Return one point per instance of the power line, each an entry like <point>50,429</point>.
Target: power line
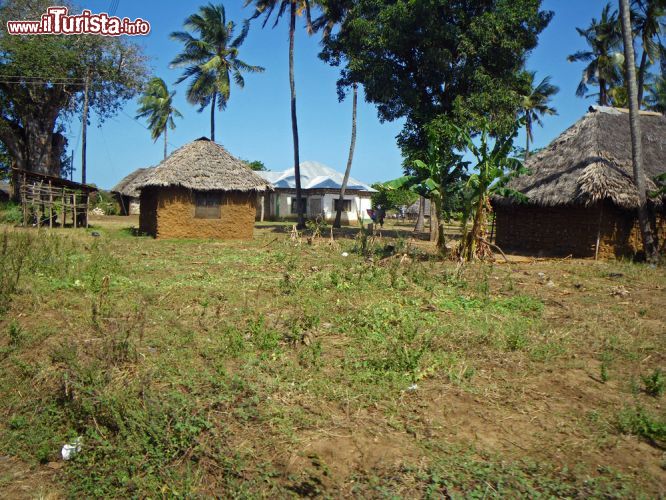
<point>22,80</point>
<point>36,83</point>
<point>113,7</point>
<point>41,78</point>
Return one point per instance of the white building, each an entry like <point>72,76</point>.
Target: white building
<point>320,191</point>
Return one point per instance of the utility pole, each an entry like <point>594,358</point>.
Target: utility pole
<point>84,126</point>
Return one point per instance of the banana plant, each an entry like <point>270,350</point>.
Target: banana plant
<point>436,179</point>
<point>494,168</point>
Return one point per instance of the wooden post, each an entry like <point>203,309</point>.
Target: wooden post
<point>84,128</point>
<point>50,205</point>
<point>64,208</point>
<point>601,213</point>
<point>74,208</point>
<point>263,198</point>
<point>87,208</point>
<point>24,202</point>
<point>40,211</point>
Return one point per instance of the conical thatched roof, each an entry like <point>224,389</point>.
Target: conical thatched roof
<point>131,185</point>
<point>591,161</point>
<point>203,165</point>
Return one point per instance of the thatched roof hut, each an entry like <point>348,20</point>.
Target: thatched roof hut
<point>581,198</point>
<point>203,165</point>
<point>128,190</point>
<point>591,161</point>
<point>131,184</point>
<point>200,191</point>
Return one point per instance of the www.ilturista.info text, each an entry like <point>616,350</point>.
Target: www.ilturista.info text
<point>57,21</point>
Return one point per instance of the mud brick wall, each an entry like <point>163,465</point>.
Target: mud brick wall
<point>562,231</point>
<point>175,216</point>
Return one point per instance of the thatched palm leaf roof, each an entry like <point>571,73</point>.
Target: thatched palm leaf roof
<point>591,161</point>
<point>131,185</point>
<point>203,165</point>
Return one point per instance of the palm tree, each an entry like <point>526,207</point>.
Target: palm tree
<point>334,12</point>
<point>536,104</point>
<point>656,99</point>
<point>648,19</point>
<point>604,57</point>
<point>156,104</point>
<point>211,59</point>
<point>296,7</point>
<point>649,243</point>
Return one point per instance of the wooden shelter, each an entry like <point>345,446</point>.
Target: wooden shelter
<point>581,198</point>
<point>128,191</point>
<point>52,201</point>
<point>200,191</point>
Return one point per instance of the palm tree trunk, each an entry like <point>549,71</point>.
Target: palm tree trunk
<point>420,221</point>
<point>641,78</point>
<point>338,214</point>
<point>165,142</point>
<point>212,117</point>
<point>603,100</point>
<point>294,121</point>
<point>649,243</point>
<point>527,140</point>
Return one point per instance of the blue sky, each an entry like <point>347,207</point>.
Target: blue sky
<point>256,124</point>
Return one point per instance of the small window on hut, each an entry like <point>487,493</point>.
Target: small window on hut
<point>207,205</point>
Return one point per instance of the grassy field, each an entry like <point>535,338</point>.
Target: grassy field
<point>277,368</point>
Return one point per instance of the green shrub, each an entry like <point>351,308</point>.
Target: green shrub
<point>10,213</point>
<point>641,423</point>
<point>655,383</point>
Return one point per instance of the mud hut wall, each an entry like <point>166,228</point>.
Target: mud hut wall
<point>621,233</point>
<point>175,215</point>
<point>548,231</point>
<point>562,231</point>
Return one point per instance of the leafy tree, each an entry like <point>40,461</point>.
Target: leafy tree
<point>604,55</point>
<point>392,199</point>
<point>42,79</point>
<point>211,59</point>
<point>649,242</point>
<point>266,8</point>
<point>536,104</point>
<point>493,168</point>
<point>454,61</point>
<point>156,105</point>
<point>419,59</point>
<point>257,166</point>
